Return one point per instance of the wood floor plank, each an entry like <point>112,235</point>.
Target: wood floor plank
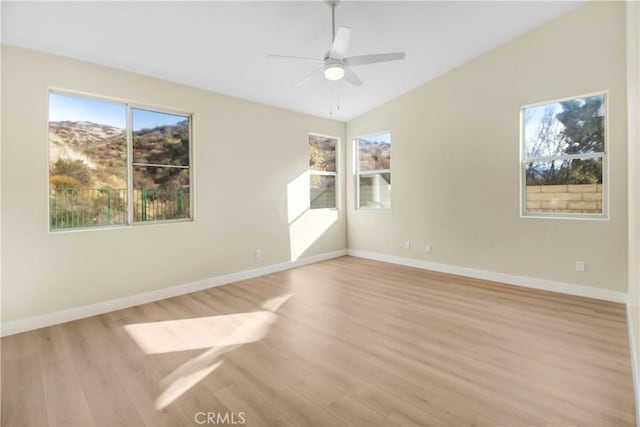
<point>355,413</point>
<point>23,401</point>
<point>345,342</point>
<point>255,406</point>
<point>249,366</point>
<point>68,408</point>
<point>142,380</point>
<point>108,400</point>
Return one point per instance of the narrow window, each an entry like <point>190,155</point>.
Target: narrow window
<point>92,181</point>
<point>322,171</point>
<point>373,171</point>
<point>161,175</point>
<point>564,158</point>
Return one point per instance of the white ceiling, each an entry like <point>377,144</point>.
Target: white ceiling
<point>223,46</point>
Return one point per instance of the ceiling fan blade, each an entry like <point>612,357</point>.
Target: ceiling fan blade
<point>352,77</point>
<point>298,58</point>
<point>340,43</point>
<point>373,59</point>
<point>308,77</point>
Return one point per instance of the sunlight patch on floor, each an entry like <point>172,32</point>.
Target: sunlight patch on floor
<point>175,389</point>
<point>219,334</point>
<point>201,332</point>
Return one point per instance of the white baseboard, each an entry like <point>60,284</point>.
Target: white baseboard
<point>527,282</point>
<point>35,322</point>
<point>41,321</point>
<point>634,360</point>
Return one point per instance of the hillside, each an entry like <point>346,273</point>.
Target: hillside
<point>85,154</point>
<point>92,154</point>
<point>322,153</point>
<point>165,145</point>
<point>374,155</point>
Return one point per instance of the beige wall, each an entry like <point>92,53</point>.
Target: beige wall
<point>462,129</point>
<point>249,161</point>
<point>633,81</point>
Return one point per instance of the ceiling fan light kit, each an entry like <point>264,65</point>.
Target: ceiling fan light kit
<point>336,66</point>
<point>333,70</point>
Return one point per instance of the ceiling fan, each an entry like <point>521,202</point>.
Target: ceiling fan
<point>336,65</point>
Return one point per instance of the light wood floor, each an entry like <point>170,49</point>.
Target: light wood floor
<point>357,342</point>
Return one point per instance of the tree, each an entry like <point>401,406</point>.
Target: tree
<point>582,132</point>
<point>583,121</point>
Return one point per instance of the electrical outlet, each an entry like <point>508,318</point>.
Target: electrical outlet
<point>407,244</point>
<point>427,248</point>
<point>258,253</point>
<point>580,266</point>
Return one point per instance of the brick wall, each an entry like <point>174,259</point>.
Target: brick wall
<point>583,198</point>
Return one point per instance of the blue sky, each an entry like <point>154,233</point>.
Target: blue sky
<point>383,137</point>
<point>145,119</point>
<point>80,109</point>
<point>533,119</point>
<point>77,109</point>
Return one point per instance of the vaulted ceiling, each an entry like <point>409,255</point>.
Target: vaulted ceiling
<point>223,46</point>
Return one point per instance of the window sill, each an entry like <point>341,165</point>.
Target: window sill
<point>118,226</point>
<point>583,217</point>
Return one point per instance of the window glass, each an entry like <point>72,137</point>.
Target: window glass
<point>322,172</point>
<point>87,162</point>
<point>564,157</point>
<point>374,171</point>
<point>160,165</point>
<point>89,171</point>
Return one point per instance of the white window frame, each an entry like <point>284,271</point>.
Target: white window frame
<point>603,155</point>
<point>130,164</point>
<point>359,173</point>
<point>327,173</point>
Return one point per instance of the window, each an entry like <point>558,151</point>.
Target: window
<point>161,173</point>
<point>322,171</point>
<point>115,164</point>
<point>564,158</point>
<point>373,171</point>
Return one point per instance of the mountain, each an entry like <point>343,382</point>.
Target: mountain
<point>322,153</point>
<point>161,145</point>
<point>374,155</point>
<point>85,154</point>
<point>93,154</point>
<point>167,145</point>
